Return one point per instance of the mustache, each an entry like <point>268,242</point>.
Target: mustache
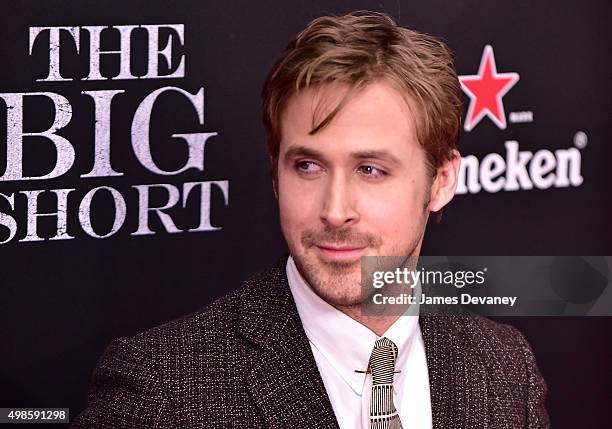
<point>339,237</point>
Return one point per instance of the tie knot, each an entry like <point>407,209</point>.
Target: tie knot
<point>382,361</point>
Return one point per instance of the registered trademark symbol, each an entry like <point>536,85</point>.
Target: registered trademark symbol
<point>521,117</point>
<point>580,139</point>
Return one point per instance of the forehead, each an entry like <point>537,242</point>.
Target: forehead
<point>376,117</point>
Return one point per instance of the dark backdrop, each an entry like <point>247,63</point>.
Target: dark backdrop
<point>62,301</point>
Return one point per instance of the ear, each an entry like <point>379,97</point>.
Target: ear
<point>445,183</point>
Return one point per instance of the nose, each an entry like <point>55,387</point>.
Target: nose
<point>339,204</point>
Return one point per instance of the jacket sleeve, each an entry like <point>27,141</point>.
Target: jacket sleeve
<point>537,416</point>
<point>126,391</point>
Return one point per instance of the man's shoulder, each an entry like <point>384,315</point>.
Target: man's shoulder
<point>482,330</point>
<point>479,335</point>
<point>212,328</point>
<point>478,352</point>
<point>217,319</point>
<point>487,367</point>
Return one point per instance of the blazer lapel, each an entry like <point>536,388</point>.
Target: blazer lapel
<point>457,378</point>
<point>284,383</point>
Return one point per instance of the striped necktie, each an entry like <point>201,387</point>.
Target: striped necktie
<point>383,414</point>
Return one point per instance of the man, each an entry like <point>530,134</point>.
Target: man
<point>362,118</point>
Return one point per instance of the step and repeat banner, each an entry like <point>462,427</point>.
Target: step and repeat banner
<point>135,184</point>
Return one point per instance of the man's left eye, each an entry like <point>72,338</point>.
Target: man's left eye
<point>371,171</point>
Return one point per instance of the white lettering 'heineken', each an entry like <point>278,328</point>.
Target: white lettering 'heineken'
<point>520,170</point>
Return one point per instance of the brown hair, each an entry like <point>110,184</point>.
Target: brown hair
<point>356,50</point>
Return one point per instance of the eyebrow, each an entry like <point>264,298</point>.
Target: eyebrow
<point>365,154</point>
<point>376,154</point>
<point>296,151</point>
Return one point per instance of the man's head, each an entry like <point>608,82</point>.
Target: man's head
<point>362,118</point>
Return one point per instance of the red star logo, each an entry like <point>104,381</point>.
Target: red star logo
<point>486,90</point>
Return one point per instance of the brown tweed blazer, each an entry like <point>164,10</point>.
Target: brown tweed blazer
<point>244,362</point>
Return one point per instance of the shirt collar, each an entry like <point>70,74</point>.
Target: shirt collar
<point>345,343</point>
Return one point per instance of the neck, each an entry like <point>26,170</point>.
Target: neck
<point>376,324</point>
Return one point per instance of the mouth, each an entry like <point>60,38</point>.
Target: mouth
<point>339,253</point>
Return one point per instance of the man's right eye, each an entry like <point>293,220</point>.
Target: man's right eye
<point>308,167</point>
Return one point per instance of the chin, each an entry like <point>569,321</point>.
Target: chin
<point>340,298</point>
<point>339,301</point>
<point>339,288</point>
<point>338,284</point>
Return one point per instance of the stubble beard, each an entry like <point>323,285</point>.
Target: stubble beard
<point>339,283</point>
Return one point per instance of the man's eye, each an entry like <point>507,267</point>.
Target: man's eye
<point>307,167</point>
<point>371,171</point>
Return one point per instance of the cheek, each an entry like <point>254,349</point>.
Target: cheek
<point>297,206</point>
<point>389,216</point>
<point>395,211</point>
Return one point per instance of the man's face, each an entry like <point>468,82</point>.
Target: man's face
<point>358,187</point>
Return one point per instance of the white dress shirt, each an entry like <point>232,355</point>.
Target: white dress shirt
<point>341,345</point>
